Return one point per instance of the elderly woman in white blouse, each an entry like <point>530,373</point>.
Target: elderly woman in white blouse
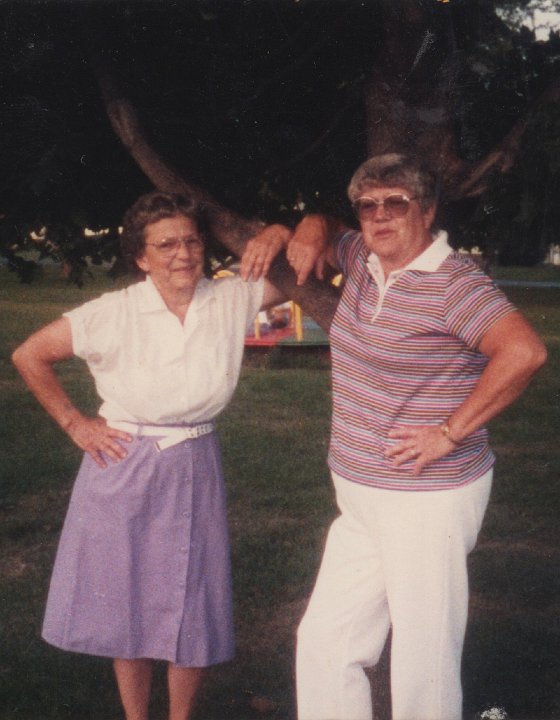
<point>142,571</point>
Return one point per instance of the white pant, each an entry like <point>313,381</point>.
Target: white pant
<point>392,559</point>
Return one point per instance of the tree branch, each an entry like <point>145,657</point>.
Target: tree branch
<point>317,299</point>
<point>471,180</point>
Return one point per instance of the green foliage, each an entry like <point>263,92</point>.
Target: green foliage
<point>518,217</point>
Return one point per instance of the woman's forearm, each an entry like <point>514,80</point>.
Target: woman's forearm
<point>515,354</point>
<point>34,360</point>
<point>44,384</point>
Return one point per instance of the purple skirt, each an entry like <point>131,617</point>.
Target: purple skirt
<point>143,564</point>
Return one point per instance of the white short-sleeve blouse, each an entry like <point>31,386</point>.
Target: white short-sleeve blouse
<point>150,368</point>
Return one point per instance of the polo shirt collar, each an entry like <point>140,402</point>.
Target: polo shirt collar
<point>151,300</point>
<point>428,261</point>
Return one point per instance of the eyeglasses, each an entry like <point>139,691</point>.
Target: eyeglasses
<point>394,206</point>
<point>170,246</point>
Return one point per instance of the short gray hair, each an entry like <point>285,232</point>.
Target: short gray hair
<point>394,169</point>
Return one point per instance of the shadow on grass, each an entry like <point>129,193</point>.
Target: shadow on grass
<point>512,657</point>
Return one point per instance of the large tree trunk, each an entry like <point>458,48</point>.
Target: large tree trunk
<point>407,98</point>
<point>406,92</point>
<point>317,299</point>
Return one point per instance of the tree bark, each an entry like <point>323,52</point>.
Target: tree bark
<point>472,180</point>
<point>406,93</point>
<point>407,100</point>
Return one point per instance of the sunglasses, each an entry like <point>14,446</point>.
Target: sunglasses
<point>394,206</point>
<point>171,246</point>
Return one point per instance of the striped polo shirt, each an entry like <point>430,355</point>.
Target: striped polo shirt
<point>404,353</point>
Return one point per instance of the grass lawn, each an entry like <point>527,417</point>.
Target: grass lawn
<point>274,438</point>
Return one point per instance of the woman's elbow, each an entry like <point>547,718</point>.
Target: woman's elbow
<point>540,356</point>
<point>533,355</point>
<point>18,357</point>
<point>23,357</point>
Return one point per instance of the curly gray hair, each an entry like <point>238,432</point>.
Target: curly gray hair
<point>394,169</point>
<point>150,208</point>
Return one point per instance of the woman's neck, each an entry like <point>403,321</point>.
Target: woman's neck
<point>177,300</point>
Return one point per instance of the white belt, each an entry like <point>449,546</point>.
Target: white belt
<point>169,434</point>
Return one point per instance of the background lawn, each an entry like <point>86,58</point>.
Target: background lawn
<point>274,437</point>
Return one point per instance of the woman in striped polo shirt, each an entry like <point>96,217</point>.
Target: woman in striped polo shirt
<point>425,351</point>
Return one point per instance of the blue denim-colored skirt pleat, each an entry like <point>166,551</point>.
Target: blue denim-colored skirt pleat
<point>143,564</point>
